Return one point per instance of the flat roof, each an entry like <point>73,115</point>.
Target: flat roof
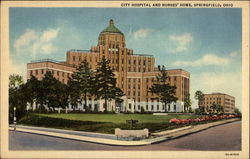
<point>52,61</point>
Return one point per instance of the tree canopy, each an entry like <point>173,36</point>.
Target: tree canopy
<point>105,83</point>
<point>164,91</point>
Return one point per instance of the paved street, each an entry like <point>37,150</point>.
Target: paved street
<point>224,137</point>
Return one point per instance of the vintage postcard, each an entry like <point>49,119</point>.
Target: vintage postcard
<point>125,79</point>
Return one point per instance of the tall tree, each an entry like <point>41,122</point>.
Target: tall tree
<point>31,90</point>
<point>16,96</point>
<point>51,88</point>
<point>105,83</point>
<point>83,78</point>
<point>200,97</point>
<point>74,92</point>
<point>15,81</point>
<point>164,91</point>
<point>187,102</point>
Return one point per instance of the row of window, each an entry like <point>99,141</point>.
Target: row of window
<point>43,71</point>
<point>84,58</point>
<point>139,62</point>
<point>152,107</point>
<point>138,93</point>
<point>139,69</point>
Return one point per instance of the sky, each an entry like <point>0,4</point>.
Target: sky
<point>207,42</point>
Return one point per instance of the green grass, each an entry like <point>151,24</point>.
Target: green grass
<point>102,123</point>
<point>119,118</point>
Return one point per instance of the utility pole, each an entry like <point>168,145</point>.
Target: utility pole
<point>14,118</point>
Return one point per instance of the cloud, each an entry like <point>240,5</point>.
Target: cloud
<point>17,68</point>
<point>182,42</point>
<point>208,59</point>
<point>49,35</point>
<point>25,39</point>
<point>233,54</point>
<point>223,82</point>
<point>141,33</point>
<point>35,42</point>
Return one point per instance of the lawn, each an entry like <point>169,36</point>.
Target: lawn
<point>120,118</point>
<point>102,123</point>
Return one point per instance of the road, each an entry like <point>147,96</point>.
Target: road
<point>224,137</point>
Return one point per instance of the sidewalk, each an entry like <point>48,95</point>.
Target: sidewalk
<point>110,139</point>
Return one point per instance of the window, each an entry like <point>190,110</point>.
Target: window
<point>134,62</point>
<point>144,62</point>
<point>174,107</point>
<point>74,58</point>
<point>57,73</point>
<point>31,72</point>
<point>163,107</point>
<point>157,107</point>
<point>152,107</point>
<point>139,107</point>
<point>129,106</point>
<point>146,107</point>
<point>42,72</point>
<point>36,72</point>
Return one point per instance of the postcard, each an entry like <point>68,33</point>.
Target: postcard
<point>125,79</point>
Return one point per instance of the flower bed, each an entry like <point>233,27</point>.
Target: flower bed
<point>202,119</point>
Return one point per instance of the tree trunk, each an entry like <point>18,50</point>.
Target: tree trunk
<point>85,101</point>
<point>105,105</point>
<point>165,105</point>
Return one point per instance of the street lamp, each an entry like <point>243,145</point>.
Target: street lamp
<point>14,118</point>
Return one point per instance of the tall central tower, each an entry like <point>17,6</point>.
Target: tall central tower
<point>111,45</point>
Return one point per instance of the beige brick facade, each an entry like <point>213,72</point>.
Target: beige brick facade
<point>134,72</point>
<point>226,101</point>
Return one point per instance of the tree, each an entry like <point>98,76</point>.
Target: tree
<point>105,83</point>
<point>83,79</point>
<point>74,93</point>
<point>237,111</point>
<point>52,91</point>
<point>164,91</point>
<point>31,90</point>
<point>16,96</point>
<point>187,102</point>
<point>200,97</point>
<point>217,108</point>
<point>15,81</point>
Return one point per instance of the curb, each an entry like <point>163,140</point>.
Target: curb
<point>84,138</point>
<point>168,138</point>
<point>168,135</point>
